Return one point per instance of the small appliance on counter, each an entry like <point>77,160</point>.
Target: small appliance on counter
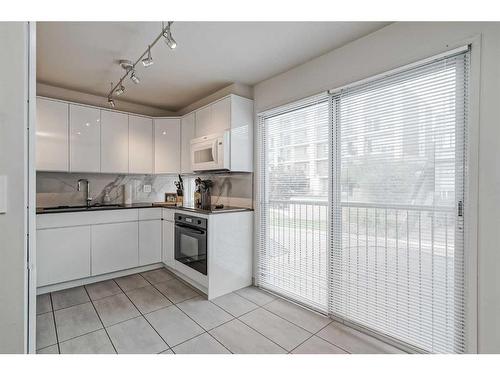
<point>197,193</point>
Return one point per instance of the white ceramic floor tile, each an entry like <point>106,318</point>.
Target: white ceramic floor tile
<point>76,321</point>
<point>354,341</point>
<point>69,297</point>
<point>176,291</point>
<point>241,339</point>
<point>53,349</point>
<point>115,309</point>
<point>256,295</point>
<point>300,316</point>
<point>157,276</point>
<point>92,343</point>
<point>205,313</point>
<point>234,304</point>
<point>203,344</point>
<point>148,299</point>
<point>45,330</point>
<point>131,282</point>
<point>173,325</point>
<point>282,332</point>
<point>43,304</point>
<point>102,289</point>
<point>316,345</point>
<point>136,336</point>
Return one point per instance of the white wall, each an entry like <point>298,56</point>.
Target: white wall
<point>13,154</point>
<point>399,44</point>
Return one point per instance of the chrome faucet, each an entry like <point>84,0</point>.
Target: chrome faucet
<point>79,188</point>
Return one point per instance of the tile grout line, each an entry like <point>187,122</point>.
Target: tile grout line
<point>55,324</point>
<point>263,335</point>
<point>102,323</point>
<point>142,315</point>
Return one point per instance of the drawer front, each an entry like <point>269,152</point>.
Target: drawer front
<point>168,214</point>
<point>68,219</point>
<point>150,213</point>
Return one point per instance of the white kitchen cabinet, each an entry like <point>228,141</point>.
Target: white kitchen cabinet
<point>167,148</point>
<point>140,150</point>
<point>168,243</point>
<point>52,144</point>
<point>62,254</point>
<point>150,249</point>
<point>84,139</point>
<point>220,119</point>
<point>114,247</point>
<point>187,134</point>
<point>114,141</point>
<point>203,121</point>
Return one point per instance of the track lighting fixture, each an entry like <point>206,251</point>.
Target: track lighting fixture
<point>120,90</point>
<point>145,58</point>
<point>134,77</point>
<point>169,40</point>
<point>148,61</point>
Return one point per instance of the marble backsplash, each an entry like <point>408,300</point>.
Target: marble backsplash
<point>60,189</point>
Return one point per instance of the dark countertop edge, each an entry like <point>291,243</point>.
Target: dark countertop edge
<point>136,206</point>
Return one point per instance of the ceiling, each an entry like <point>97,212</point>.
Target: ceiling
<point>83,56</point>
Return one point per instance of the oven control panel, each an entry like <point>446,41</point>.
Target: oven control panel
<point>190,220</point>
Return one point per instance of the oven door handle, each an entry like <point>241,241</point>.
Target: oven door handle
<point>190,228</point>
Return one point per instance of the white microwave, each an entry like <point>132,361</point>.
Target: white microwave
<point>210,152</point>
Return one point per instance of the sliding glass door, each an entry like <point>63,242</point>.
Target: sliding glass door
<point>293,251</point>
<point>397,260</point>
<point>362,204</point>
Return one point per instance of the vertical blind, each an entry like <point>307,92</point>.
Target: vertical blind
<point>361,203</point>
<point>293,201</point>
<point>397,262</point>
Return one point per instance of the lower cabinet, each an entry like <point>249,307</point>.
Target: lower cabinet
<point>168,243</point>
<point>114,247</point>
<point>150,250</point>
<point>56,261</point>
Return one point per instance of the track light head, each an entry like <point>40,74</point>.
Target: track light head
<point>134,77</point>
<point>169,40</point>
<point>111,103</point>
<point>120,90</point>
<point>148,61</point>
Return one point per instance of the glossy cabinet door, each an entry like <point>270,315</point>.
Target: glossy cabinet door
<point>63,254</point>
<point>52,127</point>
<point>167,145</point>
<point>150,250</point>
<point>187,134</point>
<point>114,247</point>
<point>140,150</point>
<point>168,243</point>
<point>221,116</point>
<point>84,139</point>
<point>203,121</point>
<point>114,141</point>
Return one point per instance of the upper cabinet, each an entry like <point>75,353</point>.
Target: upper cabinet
<point>114,141</point>
<point>140,145</point>
<point>80,138</point>
<point>52,146</point>
<point>234,114</point>
<point>167,139</point>
<point>84,139</point>
<point>187,133</point>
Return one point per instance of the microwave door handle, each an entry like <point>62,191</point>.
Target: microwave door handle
<point>214,150</point>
